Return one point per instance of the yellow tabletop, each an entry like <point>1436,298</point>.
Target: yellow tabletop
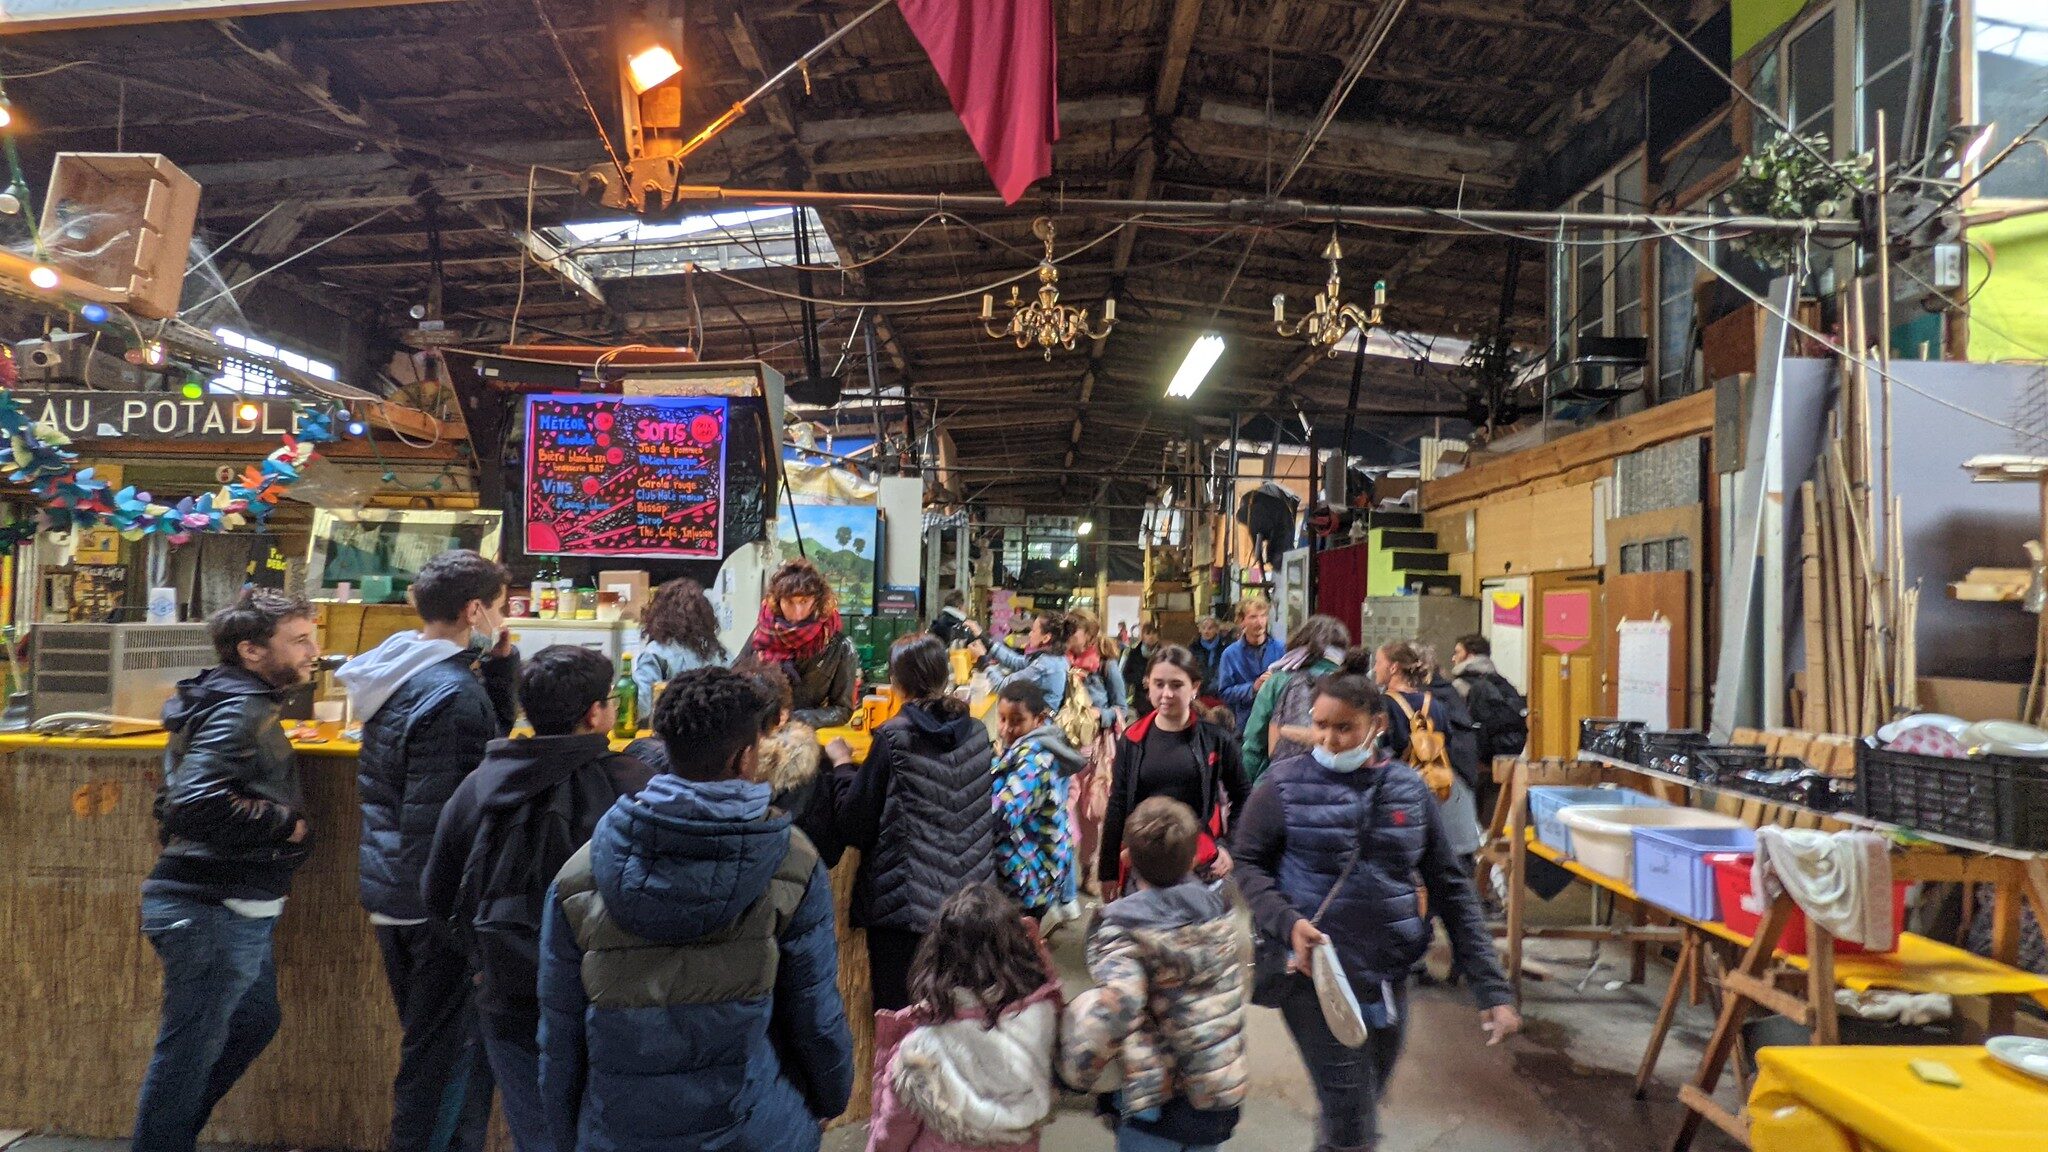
<point>1919,965</point>
<point>1861,1099</point>
<point>312,738</point>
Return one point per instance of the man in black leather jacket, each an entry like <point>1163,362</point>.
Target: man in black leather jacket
<point>230,821</point>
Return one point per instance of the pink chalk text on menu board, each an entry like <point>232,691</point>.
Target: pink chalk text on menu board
<point>639,476</point>
<point>1567,620</point>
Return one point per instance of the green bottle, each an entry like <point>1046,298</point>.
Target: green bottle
<point>627,725</point>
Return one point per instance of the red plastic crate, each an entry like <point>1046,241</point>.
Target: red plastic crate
<point>1731,883</point>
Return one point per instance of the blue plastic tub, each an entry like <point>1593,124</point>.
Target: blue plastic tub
<point>1671,868</point>
<point>1547,800</point>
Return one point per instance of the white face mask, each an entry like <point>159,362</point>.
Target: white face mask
<point>1350,760</point>
<point>483,634</point>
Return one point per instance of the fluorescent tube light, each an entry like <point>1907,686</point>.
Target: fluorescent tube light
<point>1193,370</point>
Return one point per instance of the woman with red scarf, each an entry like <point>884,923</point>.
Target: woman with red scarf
<point>800,632</point>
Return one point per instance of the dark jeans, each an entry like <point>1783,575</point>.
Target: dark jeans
<point>890,951</point>
<point>511,1040</point>
<point>441,1098</point>
<point>219,1013</point>
<point>1349,1081</point>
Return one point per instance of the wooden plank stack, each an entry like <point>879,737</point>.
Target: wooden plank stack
<point>1860,660</point>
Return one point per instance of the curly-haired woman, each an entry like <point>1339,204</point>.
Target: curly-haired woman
<point>679,631</point>
<point>800,630</point>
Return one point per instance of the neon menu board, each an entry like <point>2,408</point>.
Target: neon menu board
<point>625,475</point>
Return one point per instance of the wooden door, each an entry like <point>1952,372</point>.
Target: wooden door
<point>1645,596</point>
<point>1570,662</point>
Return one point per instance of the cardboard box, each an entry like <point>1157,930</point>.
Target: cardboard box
<point>635,585</point>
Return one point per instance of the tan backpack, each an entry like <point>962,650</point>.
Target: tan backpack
<point>1076,718</point>
<point>1428,749</point>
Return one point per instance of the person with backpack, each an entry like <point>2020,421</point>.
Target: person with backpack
<point>919,809</point>
<point>1279,724</point>
<point>503,836</point>
<point>1173,752</point>
<point>1497,706</point>
<point>1096,674</point>
<point>689,969</point>
<point>1429,728</point>
<point>1034,840</point>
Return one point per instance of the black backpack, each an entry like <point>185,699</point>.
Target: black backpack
<point>1500,711</point>
<point>505,882</point>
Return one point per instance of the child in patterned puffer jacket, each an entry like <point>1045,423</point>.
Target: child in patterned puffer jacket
<point>1169,1001</point>
<point>1034,844</point>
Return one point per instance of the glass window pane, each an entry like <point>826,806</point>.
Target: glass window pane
<point>1764,81</point>
<point>1628,278</point>
<point>1812,74</point>
<point>2012,91</point>
<point>1887,33</point>
<point>1887,92</point>
<point>1628,187</point>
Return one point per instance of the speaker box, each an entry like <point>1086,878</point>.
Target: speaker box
<point>122,221</point>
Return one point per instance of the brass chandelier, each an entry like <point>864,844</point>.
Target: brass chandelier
<point>1331,319</point>
<point>1044,322</point>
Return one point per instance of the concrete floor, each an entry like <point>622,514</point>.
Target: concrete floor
<point>1564,1085</point>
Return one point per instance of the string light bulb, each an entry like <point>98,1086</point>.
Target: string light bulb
<point>6,115</point>
<point>192,390</point>
<point>358,428</point>
<point>44,277</point>
<point>247,412</point>
<point>153,354</point>
<point>94,313</point>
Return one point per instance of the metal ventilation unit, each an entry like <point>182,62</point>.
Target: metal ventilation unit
<point>126,671</point>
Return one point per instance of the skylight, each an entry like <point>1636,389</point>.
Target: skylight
<point>2014,28</point>
<point>1411,346</point>
<point>732,241</point>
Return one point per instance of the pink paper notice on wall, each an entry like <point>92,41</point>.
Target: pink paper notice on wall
<point>1507,609</point>
<point>1567,620</point>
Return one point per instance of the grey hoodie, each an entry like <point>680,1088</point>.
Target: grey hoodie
<point>1049,737</point>
<point>1477,666</point>
<point>373,677</point>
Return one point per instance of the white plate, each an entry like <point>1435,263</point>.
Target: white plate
<point>2022,1053</point>
<point>1953,725</point>
<point>2006,738</point>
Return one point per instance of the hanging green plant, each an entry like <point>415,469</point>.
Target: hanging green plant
<point>1787,180</point>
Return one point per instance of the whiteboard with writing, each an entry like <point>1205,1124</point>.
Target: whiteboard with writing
<point>1643,675</point>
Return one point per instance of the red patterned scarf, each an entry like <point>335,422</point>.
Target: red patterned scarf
<point>777,641</point>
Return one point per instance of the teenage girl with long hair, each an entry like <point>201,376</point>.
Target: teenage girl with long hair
<point>678,632</point>
<point>1095,657</point>
<point>1173,752</point>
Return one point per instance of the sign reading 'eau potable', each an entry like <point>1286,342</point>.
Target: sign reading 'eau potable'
<point>103,416</point>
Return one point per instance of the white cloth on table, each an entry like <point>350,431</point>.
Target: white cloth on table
<point>1841,880</point>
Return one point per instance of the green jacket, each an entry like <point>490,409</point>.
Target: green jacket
<point>1263,707</point>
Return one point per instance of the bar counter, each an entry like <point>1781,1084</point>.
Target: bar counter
<point>82,986</point>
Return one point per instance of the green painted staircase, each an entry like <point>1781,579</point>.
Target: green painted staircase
<point>1404,558</point>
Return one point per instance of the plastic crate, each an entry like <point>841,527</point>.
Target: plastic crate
<point>1654,749</point>
<point>1790,781</point>
<point>1546,801</point>
<point>1606,736</point>
<point>1743,914</point>
<point>1991,799</point>
<point>1671,869</point>
<point>1692,761</point>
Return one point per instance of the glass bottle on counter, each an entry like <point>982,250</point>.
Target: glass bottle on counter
<point>544,604</point>
<point>623,689</point>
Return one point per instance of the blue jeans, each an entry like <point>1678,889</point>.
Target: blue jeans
<point>512,1042</point>
<point>219,1013</point>
<point>1134,1140</point>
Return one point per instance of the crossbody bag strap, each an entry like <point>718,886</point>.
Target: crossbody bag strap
<point>1351,862</point>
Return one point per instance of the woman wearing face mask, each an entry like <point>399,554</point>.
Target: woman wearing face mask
<point>800,631</point>
<point>1348,817</point>
<point>1173,752</point>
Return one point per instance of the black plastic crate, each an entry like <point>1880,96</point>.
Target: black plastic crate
<point>1695,762</point>
<point>1723,761</point>
<point>1654,749</point>
<point>1606,736</point>
<point>1788,780</point>
<point>1992,799</point>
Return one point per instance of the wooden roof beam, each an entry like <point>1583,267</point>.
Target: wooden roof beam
<point>1624,71</point>
<point>1403,152</point>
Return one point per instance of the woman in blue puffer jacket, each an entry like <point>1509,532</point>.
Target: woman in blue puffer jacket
<point>1043,659</point>
<point>1327,852</point>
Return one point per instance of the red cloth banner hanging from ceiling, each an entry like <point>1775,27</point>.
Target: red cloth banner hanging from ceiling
<point>1000,63</point>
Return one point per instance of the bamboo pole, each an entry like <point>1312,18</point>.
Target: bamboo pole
<point>1815,712</point>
